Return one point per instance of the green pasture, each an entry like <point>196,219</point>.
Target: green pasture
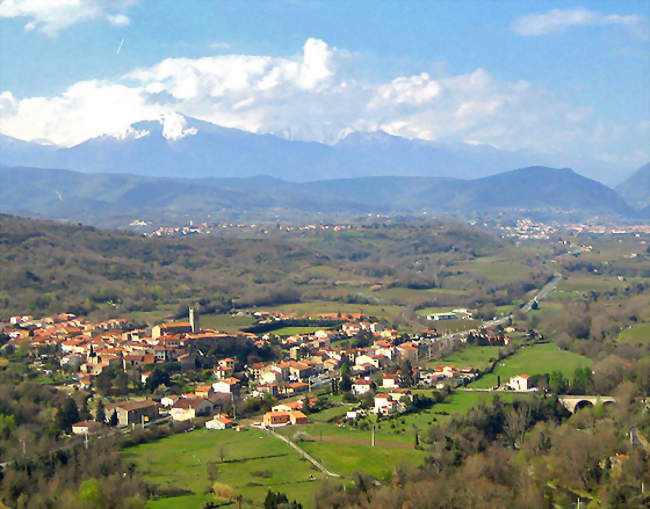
<point>290,331</point>
<point>180,462</point>
<point>639,333</point>
<point>461,401</point>
<point>455,325</point>
<point>161,313</point>
<point>496,269</point>
<point>330,413</point>
<point>346,459</point>
<point>226,322</point>
<point>583,284</point>
<point>533,360</point>
<point>312,308</point>
<point>471,356</point>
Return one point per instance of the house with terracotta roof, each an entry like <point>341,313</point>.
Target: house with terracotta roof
<point>186,409</point>
<point>87,428</point>
<point>203,391</point>
<point>169,400</point>
<point>408,351</point>
<point>390,381</point>
<point>278,419</point>
<point>289,406</point>
<point>361,386</point>
<point>296,387</point>
<point>170,328</point>
<point>220,422</point>
<point>228,385</point>
<point>384,404</point>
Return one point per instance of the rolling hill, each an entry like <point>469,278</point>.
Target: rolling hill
<point>115,199</point>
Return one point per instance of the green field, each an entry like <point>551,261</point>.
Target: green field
<point>226,322</point>
<point>180,461</point>
<point>585,284</point>
<point>455,325</point>
<point>496,269</point>
<point>472,356</point>
<point>534,360</point>
<point>330,413</point>
<point>290,331</point>
<point>639,333</point>
<point>162,313</point>
<point>312,308</point>
<point>406,295</point>
<point>345,458</point>
<point>461,401</point>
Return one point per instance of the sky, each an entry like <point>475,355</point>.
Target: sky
<point>551,77</point>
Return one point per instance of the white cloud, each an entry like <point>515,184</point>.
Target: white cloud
<point>557,20</point>
<point>313,95</point>
<point>414,90</point>
<point>219,45</point>
<point>51,16</point>
<point>118,20</point>
<point>86,109</point>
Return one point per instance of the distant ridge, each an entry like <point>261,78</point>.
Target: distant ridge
<point>114,198</point>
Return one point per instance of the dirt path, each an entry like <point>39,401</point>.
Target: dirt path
<point>304,454</point>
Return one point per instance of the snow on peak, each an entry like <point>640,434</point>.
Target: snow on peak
<point>130,133</point>
<point>173,126</point>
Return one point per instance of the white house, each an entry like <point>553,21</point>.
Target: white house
<point>361,386</point>
<point>385,404</point>
<point>519,383</point>
<point>390,381</point>
<point>220,422</point>
<point>186,409</point>
<point>227,385</point>
<point>168,401</point>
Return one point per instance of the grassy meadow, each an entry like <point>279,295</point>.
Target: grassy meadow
<point>180,462</point>
<point>533,360</point>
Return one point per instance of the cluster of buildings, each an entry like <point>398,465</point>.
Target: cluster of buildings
<point>528,229</point>
<point>88,348</point>
<point>205,229</point>
<point>441,376</point>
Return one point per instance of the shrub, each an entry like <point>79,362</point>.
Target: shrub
<point>223,491</point>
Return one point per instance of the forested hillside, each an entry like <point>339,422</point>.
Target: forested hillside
<point>50,267</point>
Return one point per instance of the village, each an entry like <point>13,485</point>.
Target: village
<point>378,373</point>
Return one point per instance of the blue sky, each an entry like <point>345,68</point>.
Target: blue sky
<point>544,76</point>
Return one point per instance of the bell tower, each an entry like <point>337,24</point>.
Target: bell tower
<point>194,320</point>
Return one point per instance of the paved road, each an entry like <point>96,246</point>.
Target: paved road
<point>542,294</point>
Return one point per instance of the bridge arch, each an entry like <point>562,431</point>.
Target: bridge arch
<point>583,403</point>
<point>575,403</point>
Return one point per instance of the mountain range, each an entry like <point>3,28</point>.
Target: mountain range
<point>193,148</point>
<point>116,199</point>
<point>636,189</point>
